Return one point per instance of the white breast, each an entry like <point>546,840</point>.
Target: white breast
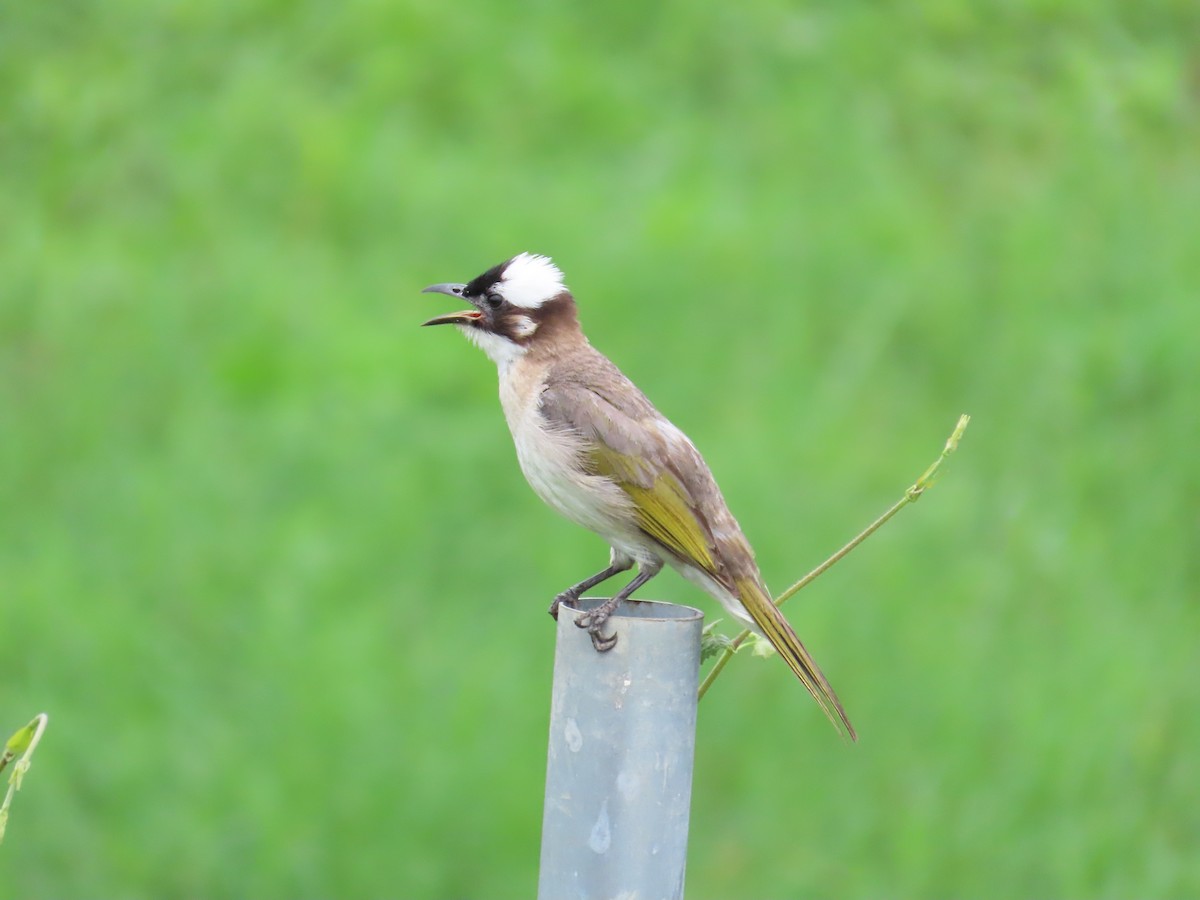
<point>550,462</point>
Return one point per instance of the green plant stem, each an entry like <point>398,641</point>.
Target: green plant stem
<point>23,743</point>
<point>910,496</point>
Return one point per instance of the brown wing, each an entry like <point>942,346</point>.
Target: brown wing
<point>677,500</point>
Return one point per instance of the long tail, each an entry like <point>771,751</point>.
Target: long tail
<point>775,627</point>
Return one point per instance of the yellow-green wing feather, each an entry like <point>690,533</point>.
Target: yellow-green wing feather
<point>661,504</point>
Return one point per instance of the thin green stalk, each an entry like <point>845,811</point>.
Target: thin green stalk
<point>23,743</point>
<point>912,495</point>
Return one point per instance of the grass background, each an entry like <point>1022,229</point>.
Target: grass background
<point>268,562</point>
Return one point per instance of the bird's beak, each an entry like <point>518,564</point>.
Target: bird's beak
<point>458,318</point>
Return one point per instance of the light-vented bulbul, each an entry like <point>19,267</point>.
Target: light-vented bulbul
<point>596,450</point>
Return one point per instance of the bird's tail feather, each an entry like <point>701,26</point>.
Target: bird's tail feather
<point>776,629</point>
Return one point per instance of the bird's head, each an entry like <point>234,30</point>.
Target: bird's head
<point>517,304</point>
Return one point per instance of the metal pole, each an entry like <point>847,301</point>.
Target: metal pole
<point>619,767</point>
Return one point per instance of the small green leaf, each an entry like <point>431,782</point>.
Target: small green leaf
<point>760,646</point>
<point>712,642</point>
<point>19,742</point>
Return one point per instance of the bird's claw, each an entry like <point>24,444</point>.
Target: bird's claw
<point>594,623</point>
<point>564,597</point>
<point>601,643</point>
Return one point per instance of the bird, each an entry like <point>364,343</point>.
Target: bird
<point>596,450</point>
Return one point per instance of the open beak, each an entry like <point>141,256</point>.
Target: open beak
<point>457,318</point>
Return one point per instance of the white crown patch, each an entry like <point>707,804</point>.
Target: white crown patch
<point>530,280</point>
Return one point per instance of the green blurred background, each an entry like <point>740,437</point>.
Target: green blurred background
<point>268,562</point>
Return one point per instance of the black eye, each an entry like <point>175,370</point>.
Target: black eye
<point>493,300</point>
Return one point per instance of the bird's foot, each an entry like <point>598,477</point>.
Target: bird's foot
<point>594,622</point>
<point>564,597</point>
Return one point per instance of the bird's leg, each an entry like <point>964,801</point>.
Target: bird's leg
<point>617,564</point>
<point>594,620</point>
